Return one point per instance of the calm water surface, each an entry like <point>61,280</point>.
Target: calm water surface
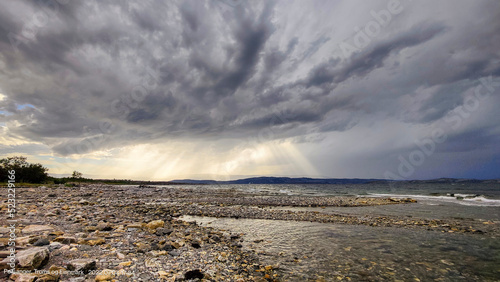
<point>308,251</point>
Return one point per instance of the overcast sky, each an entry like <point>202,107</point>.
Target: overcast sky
<point>220,89</point>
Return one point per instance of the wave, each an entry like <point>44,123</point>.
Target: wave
<point>461,199</point>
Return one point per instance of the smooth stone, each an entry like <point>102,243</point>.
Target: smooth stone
<point>125,263</point>
<point>155,224</point>
<point>105,275</point>
<point>174,253</point>
<point>37,228</point>
<point>55,245</point>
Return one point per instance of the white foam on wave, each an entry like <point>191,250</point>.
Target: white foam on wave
<point>462,195</point>
<point>287,192</point>
<point>468,199</point>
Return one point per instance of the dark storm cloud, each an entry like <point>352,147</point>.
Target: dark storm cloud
<point>362,63</point>
<point>472,140</point>
<point>124,73</point>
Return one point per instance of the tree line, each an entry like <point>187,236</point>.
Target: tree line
<point>25,172</point>
<point>36,173</point>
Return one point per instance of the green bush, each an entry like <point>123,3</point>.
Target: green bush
<point>25,172</point>
<point>59,181</point>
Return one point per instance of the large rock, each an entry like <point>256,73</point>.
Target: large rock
<point>83,265</point>
<point>37,228</point>
<point>33,258</point>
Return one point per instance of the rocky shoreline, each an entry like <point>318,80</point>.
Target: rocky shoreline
<point>80,234</point>
<point>130,233</point>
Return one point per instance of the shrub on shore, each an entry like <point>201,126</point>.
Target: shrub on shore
<point>24,171</point>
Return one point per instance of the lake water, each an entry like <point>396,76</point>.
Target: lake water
<point>307,251</point>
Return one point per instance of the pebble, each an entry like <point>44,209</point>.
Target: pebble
<point>105,275</point>
<point>153,225</point>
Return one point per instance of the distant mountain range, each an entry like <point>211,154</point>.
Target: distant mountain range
<point>306,180</point>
